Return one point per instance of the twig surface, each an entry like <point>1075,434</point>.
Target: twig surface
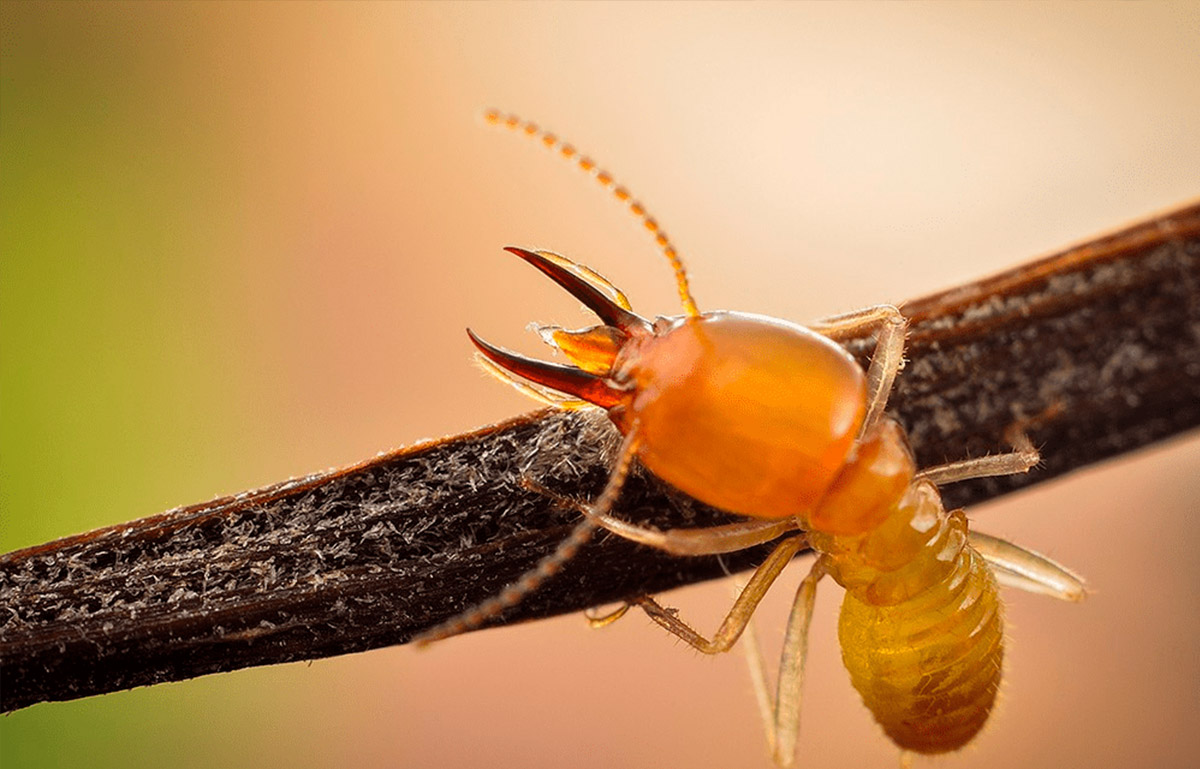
<point>1099,346</point>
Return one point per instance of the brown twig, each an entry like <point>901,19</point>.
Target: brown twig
<point>1096,350</point>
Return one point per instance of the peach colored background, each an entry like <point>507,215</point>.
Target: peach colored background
<point>241,242</point>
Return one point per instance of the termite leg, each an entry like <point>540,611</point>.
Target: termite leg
<point>784,728</point>
<point>888,357</point>
<point>547,567</point>
<point>855,322</point>
<point>1014,566</point>
<point>712,540</point>
<point>1019,461</point>
<point>597,621</point>
<point>743,608</point>
<point>763,696</point>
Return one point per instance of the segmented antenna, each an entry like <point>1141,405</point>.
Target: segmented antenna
<point>513,594</point>
<point>549,565</point>
<point>551,142</point>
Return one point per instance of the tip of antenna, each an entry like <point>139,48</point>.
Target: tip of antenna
<point>605,179</point>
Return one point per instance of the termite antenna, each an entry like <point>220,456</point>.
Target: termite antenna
<point>551,564</point>
<point>513,594</point>
<point>551,142</point>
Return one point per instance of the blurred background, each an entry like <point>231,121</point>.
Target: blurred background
<point>240,242</point>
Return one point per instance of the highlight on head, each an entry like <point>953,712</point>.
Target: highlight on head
<point>552,142</point>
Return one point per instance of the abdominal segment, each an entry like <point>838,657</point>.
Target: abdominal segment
<point>928,668</point>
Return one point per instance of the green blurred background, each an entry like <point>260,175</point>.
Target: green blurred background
<point>240,241</point>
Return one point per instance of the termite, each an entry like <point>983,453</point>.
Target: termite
<point>776,422</point>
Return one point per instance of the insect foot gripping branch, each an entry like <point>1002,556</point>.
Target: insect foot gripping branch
<point>776,422</point>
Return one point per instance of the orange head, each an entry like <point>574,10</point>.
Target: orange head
<point>747,413</point>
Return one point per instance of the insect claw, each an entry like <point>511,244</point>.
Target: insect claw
<point>567,379</point>
<point>609,311</point>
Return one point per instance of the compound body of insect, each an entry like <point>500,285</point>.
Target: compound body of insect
<point>778,423</point>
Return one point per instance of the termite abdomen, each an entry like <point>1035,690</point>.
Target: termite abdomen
<point>928,667</point>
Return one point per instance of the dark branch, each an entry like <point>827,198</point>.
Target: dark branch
<point>1099,346</point>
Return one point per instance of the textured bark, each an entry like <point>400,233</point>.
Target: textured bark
<point>1098,347</point>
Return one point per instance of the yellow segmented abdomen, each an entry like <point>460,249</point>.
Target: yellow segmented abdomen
<point>929,667</point>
